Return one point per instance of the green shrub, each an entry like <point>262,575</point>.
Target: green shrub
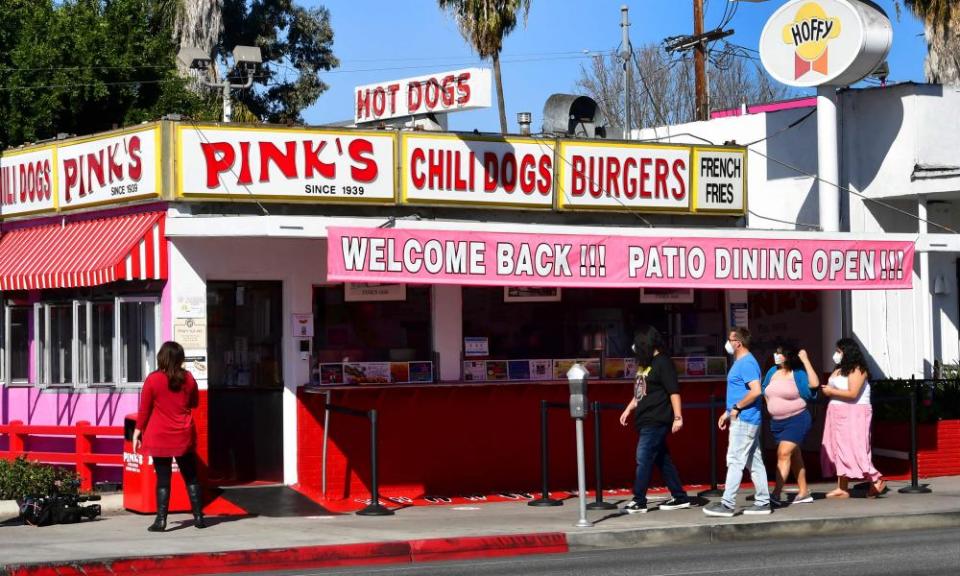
<point>21,478</point>
<point>938,400</point>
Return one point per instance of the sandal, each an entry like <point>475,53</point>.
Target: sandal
<point>877,488</point>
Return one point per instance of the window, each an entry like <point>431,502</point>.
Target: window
<point>138,338</point>
<point>18,344</point>
<point>77,343</point>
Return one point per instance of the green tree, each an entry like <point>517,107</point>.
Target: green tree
<point>83,66</point>
<point>296,43</point>
<point>484,24</point>
<point>941,23</point>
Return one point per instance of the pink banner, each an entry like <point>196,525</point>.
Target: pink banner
<point>573,260</point>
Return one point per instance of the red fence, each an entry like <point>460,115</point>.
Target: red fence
<point>83,455</point>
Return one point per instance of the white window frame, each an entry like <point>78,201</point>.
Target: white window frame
<point>8,351</point>
<point>119,356</point>
<point>82,310</point>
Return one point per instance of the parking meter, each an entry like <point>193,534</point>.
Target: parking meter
<point>577,377</point>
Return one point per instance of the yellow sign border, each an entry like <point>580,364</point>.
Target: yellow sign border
<point>53,180</point>
<point>405,137</point>
<point>180,194</point>
<point>695,181</point>
<point>158,167</point>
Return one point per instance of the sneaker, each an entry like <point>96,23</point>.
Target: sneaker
<point>759,509</point>
<point>803,500</point>
<point>719,509</point>
<point>635,507</point>
<point>675,504</point>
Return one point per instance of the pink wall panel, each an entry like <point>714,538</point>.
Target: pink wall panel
<point>105,407</point>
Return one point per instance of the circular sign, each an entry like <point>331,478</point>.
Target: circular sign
<point>810,43</point>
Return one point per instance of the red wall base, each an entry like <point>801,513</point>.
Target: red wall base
<point>481,439</point>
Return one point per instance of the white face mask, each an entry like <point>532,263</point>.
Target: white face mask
<point>778,359</point>
<point>837,357</point>
<point>728,347</point>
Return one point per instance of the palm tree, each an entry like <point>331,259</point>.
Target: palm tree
<point>484,24</point>
<point>194,23</point>
<point>941,22</point>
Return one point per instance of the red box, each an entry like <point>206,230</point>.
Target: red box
<point>140,478</point>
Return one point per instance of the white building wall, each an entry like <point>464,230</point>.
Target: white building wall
<point>886,134</point>
<point>299,264</point>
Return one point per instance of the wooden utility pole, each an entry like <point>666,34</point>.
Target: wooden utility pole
<point>699,62</point>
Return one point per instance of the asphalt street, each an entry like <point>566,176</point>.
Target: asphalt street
<point>927,553</point>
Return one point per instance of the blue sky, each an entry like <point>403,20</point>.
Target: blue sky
<point>378,40</point>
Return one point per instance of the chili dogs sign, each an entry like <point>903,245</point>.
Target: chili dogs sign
<point>445,92</point>
<point>26,182</point>
<point>810,43</point>
<point>311,165</point>
<point>560,260</point>
<point>464,170</point>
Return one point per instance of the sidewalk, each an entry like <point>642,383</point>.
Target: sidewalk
<point>436,532</point>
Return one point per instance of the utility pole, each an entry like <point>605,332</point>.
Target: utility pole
<point>627,54</point>
<point>699,62</point>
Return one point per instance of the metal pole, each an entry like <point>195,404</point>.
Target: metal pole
<point>326,436</point>
<point>915,487</point>
<point>699,62</point>
<point>227,104</point>
<point>598,503</point>
<point>714,490</point>
<point>544,499</point>
<point>828,168</point>
<point>626,53</point>
<point>374,508</point>
<point>581,478</point>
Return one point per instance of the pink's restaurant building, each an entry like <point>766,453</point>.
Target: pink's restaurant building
<point>448,280</point>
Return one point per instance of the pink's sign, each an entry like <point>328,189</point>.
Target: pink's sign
<point>509,259</point>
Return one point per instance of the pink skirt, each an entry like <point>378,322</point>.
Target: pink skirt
<point>846,442</point>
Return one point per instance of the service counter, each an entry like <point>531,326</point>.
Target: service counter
<point>480,438</point>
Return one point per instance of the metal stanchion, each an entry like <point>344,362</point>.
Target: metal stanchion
<point>374,508</point>
<point>714,489</point>
<point>598,503</point>
<point>544,499</point>
<point>915,487</point>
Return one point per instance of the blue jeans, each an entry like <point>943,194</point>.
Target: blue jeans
<point>652,450</point>
<point>743,451</point>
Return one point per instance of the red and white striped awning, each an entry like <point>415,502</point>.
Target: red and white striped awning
<point>84,253</point>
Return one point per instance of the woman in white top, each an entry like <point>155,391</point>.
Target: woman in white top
<point>846,434</point>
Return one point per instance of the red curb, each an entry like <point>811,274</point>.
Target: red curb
<point>487,546</point>
<point>400,552</point>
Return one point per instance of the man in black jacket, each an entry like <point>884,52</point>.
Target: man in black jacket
<point>657,413</point>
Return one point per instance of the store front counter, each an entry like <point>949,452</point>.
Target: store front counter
<point>475,438</point>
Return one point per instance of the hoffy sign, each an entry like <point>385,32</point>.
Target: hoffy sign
<point>810,43</point>
<point>444,92</point>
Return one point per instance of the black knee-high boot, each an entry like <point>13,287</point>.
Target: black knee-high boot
<point>163,505</point>
<point>196,505</point>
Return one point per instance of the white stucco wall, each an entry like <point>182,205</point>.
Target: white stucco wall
<point>886,133</point>
<point>298,264</point>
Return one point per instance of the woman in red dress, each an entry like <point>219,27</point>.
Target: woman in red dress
<point>165,426</point>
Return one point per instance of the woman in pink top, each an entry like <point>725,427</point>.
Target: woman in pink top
<point>846,432</point>
<point>786,388</point>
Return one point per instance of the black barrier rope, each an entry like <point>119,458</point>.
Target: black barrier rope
<point>545,499</point>
<point>374,508</point>
<point>915,487</point>
<point>598,503</point>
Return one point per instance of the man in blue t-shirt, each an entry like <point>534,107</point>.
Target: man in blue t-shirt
<point>744,417</point>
